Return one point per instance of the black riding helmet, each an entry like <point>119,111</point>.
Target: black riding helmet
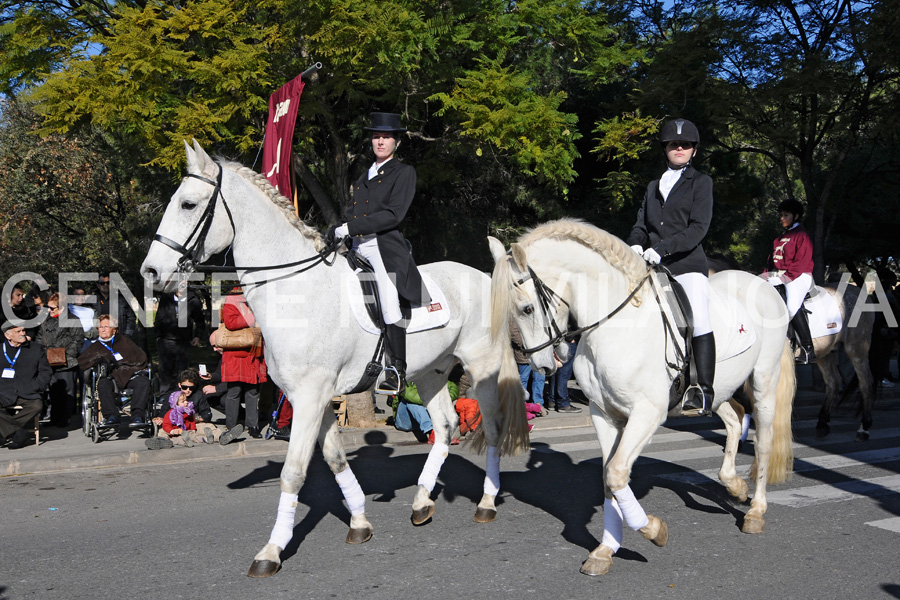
<point>680,130</point>
<point>795,207</point>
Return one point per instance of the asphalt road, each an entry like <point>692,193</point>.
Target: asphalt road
<point>190,530</point>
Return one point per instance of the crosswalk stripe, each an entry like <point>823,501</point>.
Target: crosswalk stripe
<point>889,524</point>
<point>836,492</point>
<point>830,462</point>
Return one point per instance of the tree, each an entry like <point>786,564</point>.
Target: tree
<point>68,206</point>
<point>482,85</point>
<point>792,98</point>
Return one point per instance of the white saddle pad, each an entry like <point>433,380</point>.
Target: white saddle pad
<point>429,316</point>
<point>731,323</point>
<point>826,314</point>
<point>732,328</point>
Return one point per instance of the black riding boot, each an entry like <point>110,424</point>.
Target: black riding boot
<point>395,378</point>
<point>800,323</point>
<point>705,361</point>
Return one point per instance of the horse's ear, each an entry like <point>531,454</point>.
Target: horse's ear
<point>200,162</point>
<point>497,249</point>
<point>518,255</point>
<point>191,155</point>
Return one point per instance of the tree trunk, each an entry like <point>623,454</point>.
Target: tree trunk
<point>320,196</point>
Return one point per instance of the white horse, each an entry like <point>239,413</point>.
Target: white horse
<point>315,350</point>
<point>624,363</point>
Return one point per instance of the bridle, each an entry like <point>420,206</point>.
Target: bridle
<point>190,250</point>
<point>190,253</point>
<point>549,300</point>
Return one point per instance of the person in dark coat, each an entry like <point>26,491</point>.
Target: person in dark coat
<point>179,324</point>
<point>24,375</point>
<point>671,224</point>
<point>63,382</point>
<point>109,300</point>
<point>381,198</point>
<point>125,360</point>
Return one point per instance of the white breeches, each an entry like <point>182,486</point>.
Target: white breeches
<point>367,246</point>
<point>796,292</point>
<point>696,286</point>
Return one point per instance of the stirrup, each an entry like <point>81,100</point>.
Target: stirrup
<point>805,357</point>
<point>384,387</point>
<point>694,411</point>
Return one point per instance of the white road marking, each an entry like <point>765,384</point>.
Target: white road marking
<point>889,524</point>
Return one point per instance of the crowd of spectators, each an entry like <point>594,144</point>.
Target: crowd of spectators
<point>56,341</point>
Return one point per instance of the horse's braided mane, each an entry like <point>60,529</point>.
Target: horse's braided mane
<point>286,206</point>
<point>615,251</point>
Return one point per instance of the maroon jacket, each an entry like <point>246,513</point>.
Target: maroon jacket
<point>792,252</point>
<point>240,365</point>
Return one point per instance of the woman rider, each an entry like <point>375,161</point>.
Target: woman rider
<point>673,220</point>
<point>791,265</point>
<point>381,198</point>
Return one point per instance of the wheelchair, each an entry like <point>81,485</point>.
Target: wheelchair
<point>91,417</point>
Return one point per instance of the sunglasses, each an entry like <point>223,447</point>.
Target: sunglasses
<point>103,283</point>
<point>685,145</point>
<point>187,387</point>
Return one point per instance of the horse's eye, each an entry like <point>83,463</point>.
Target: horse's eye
<point>528,309</point>
<point>188,205</point>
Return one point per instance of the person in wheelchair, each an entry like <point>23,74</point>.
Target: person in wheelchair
<point>124,361</point>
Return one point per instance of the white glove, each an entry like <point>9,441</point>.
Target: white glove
<point>651,256</point>
<point>638,249</point>
<point>341,232</point>
<point>775,280</point>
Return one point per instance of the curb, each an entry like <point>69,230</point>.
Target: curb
<point>75,452</point>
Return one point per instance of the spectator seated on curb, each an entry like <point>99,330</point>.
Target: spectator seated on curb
<point>24,375</point>
<point>180,427</point>
<point>411,415</point>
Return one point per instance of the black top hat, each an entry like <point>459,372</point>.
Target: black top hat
<point>382,121</point>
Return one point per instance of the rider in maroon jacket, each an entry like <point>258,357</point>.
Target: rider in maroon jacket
<point>791,265</point>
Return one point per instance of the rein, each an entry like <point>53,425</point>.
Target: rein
<point>188,261</point>
<point>548,300</point>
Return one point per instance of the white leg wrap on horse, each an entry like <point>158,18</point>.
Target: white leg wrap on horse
<point>284,522</point>
<point>612,525</point>
<point>745,427</point>
<point>433,465</point>
<point>353,494</point>
<point>632,512</point>
<point>492,472</point>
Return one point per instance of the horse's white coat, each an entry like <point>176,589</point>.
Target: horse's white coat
<point>314,348</point>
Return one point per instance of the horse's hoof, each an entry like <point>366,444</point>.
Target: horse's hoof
<point>656,531</point>
<point>821,432</point>
<point>422,515</point>
<point>862,436</point>
<point>485,515</point>
<point>598,563</point>
<point>359,536</point>
<point>753,524</point>
<point>263,568</point>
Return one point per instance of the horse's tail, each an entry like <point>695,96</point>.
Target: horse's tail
<point>514,427</point>
<point>781,462</point>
